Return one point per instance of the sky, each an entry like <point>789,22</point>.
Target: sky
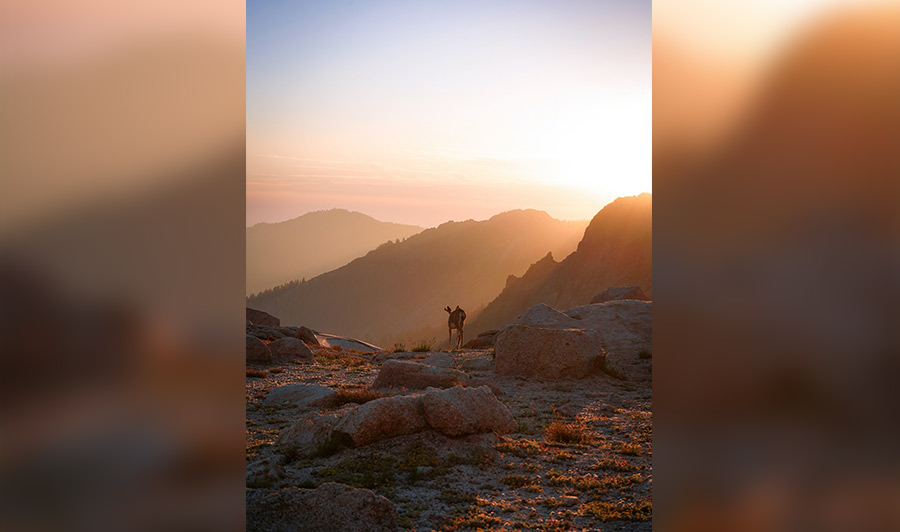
<point>422,112</point>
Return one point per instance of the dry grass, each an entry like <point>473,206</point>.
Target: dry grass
<point>334,357</point>
<point>565,433</point>
<point>619,510</point>
<point>630,449</point>
<point>423,346</point>
<point>253,373</point>
<point>354,395</point>
<point>619,465</point>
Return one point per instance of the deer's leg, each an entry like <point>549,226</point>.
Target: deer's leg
<point>450,340</point>
<point>459,339</point>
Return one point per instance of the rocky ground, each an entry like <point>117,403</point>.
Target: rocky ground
<point>578,459</point>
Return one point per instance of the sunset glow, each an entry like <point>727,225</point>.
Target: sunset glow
<point>423,112</point>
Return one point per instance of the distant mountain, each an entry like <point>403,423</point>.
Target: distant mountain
<point>399,289</point>
<point>616,251</point>
<point>313,244</point>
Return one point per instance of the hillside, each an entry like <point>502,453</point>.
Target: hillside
<point>400,288</point>
<point>616,251</point>
<point>313,244</point>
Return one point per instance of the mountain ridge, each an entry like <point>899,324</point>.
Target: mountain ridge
<point>312,244</point>
<point>616,250</point>
<point>403,286</point>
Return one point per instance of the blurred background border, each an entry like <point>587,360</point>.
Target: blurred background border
<point>776,265</point>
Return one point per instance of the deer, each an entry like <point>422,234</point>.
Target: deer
<point>456,321</point>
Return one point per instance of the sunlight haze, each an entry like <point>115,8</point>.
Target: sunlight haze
<point>423,112</point>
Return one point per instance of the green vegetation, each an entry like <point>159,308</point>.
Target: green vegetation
<point>451,496</point>
<point>362,472</point>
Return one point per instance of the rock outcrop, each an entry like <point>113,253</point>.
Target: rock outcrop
<point>616,250</point>
<point>412,375</point>
<point>614,293</point>
<point>329,507</point>
<point>458,411</point>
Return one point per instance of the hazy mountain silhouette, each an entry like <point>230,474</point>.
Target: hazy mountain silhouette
<point>401,288</point>
<point>616,251</point>
<point>313,244</point>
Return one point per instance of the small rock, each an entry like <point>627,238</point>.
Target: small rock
<point>440,360</point>
<point>264,471</point>
<point>568,500</point>
<point>264,333</point>
<point>381,358</point>
<point>290,348</point>
<point>308,336</point>
<point>257,351</point>
<point>412,375</point>
<point>298,394</point>
<point>329,507</point>
<point>262,318</point>
<point>383,418</point>
<point>476,364</point>
<point>310,431</point>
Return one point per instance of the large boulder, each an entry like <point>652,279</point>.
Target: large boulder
<point>262,318</point>
<point>548,353</point>
<point>544,316</point>
<point>458,411</point>
<point>625,326</point>
<point>290,348</point>
<point>257,351</point>
<point>412,375</point>
<point>329,507</point>
<point>309,432</point>
<point>614,293</point>
<point>299,394</point>
<point>382,418</point>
